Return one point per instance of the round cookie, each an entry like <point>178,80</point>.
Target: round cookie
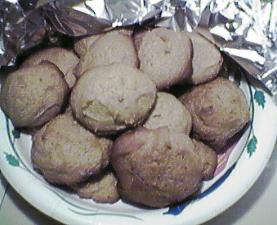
<point>157,167</point>
<point>64,59</point>
<point>171,113</point>
<point>206,61</point>
<point>82,46</point>
<point>109,48</point>
<point>66,153</point>
<point>165,56</point>
<point>112,98</point>
<point>34,95</point>
<point>101,188</point>
<point>219,110</point>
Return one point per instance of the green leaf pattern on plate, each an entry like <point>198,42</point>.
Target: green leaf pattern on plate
<point>259,98</point>
<point>12,160</point>
<point>252,145</point>
<point>16,134</point>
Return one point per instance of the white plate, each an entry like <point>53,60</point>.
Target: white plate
<point>239,169</point>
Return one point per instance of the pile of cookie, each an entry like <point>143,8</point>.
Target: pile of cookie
<point>106,120</point>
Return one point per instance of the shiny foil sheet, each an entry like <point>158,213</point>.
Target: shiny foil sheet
<point>246,30</point>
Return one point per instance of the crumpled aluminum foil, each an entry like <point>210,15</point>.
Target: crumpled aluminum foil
<point>246,30</point>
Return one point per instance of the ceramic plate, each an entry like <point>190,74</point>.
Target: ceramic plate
<point>238,169</point>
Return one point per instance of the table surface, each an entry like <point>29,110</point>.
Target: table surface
<point>257,207</point>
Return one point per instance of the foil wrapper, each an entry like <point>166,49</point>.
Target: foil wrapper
<point>245,30</point>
